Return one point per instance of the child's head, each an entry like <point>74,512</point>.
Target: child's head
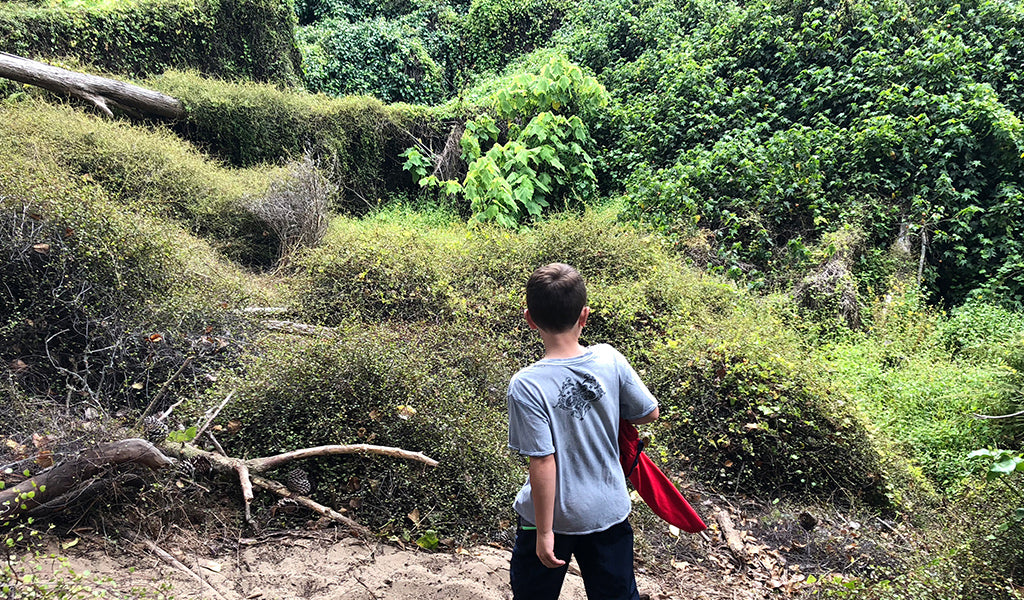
<point>555,297</point>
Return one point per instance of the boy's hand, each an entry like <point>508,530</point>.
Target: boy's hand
<point>546,550</point>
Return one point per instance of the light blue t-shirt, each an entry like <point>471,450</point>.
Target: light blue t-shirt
<point>570,407</point>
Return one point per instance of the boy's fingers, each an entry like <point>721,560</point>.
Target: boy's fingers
<point>550,561</point>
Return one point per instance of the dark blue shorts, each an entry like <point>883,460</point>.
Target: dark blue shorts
<point>605,559</point>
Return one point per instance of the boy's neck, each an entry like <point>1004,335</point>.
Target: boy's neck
<point>563,345</point>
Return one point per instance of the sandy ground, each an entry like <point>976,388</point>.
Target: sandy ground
<point>322,568</point>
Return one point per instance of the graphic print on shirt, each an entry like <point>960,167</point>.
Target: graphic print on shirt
<point>578,395</point>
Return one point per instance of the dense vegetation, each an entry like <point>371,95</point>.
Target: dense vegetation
<point>801,221</point>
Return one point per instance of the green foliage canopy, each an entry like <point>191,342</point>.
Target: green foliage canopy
<point>230,39</point>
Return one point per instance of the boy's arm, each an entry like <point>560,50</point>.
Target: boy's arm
<point>542,487</point>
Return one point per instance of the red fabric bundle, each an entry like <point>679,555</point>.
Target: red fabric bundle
<point>654,486</point>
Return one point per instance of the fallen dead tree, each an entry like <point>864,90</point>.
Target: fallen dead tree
<point>101,92</point>
<point>247,471</point>
<point>47,490</point>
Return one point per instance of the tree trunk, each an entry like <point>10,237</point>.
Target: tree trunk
<point>70,474</point>
<point>99,91</point>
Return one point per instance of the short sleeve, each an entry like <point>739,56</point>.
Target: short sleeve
<point>635,400</point>
<point>529,430</point>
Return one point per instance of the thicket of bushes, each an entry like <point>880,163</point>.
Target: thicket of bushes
<point>774,123</point>
<point>102,301</point>
<point>373,57</point>
<point>741,418</point>
<point>355,140</point>
<point>416,51</point>
<point>230,39</point>
<point>150,171</point>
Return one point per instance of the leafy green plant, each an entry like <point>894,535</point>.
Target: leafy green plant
<point>375,57</point>
<point>497,31</point>
<point>544,161</point>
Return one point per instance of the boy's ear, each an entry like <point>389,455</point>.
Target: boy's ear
<point>529,319</point>
<point>583,316</point>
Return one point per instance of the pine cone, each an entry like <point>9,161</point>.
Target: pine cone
<point>807,520</point>
<point>297,481</point>
<point>154,429</point>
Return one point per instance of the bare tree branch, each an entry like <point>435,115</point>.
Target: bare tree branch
<point>177,564</point>
<point>260,465</point>
<point>299,328</point>
<point>1019,413</point>
<point>328,512</point>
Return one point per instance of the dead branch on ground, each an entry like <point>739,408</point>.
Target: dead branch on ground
<point>330,513</point>
<point>70,475</point>
<point>733,538</point>
<point>299,328</point>
<point>1010,416</point>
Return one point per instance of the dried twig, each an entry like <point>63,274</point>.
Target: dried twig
<point>216,444</point>
<point>263,310</point>
<point>316,507</point>
<point>177,564</point>
<point>163,416</point>
<point>163,390</point>
<point>211,415</point>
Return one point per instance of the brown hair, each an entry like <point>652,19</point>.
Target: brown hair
<point>555,297</point>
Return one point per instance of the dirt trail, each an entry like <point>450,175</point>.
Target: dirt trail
<point>321,568</point>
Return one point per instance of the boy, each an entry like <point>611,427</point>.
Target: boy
<point>563,414</point>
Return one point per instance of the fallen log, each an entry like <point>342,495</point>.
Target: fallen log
<point>70,474</point>
<point>101,92</point>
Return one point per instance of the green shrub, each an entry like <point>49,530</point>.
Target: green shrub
<point>540,160</point>
<point>980,330</point>
<point>251,39</point>
<point>746,414</point>
<point>497,31</point>
<point>99,299</point>
<point>373,274</point>
<point>356,140</point>
<point>420,389</point>
<point>976,553</point>
<point>150,171</point>
<point>916,392</point>
<point>375,57</point>
<point>313,11</point>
